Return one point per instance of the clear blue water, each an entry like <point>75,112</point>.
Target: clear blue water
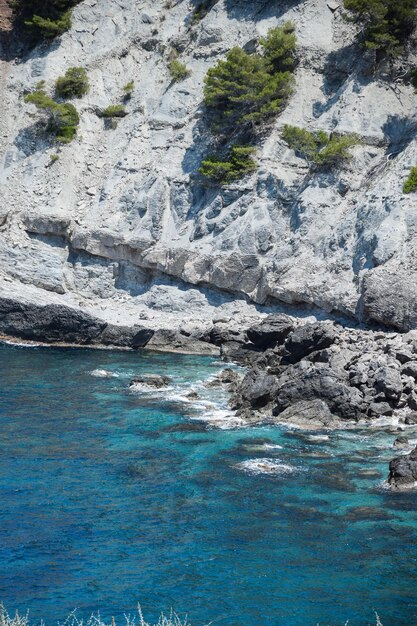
<point>105,504</point>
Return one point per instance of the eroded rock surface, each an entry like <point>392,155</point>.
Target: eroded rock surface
<point>121,222</point>
<point>326,375</point>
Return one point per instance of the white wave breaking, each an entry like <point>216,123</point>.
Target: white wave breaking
<point>266,466</point>
<point>102,373</point>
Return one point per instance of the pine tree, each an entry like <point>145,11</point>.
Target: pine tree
<point>386,23</point>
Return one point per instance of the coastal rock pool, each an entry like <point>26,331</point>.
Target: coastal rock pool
<point>111,497</point>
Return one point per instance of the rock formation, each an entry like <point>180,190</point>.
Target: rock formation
<point>119,231</point>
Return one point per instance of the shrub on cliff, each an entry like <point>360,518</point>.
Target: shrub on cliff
<point>44,19</point>
<point>319,148</point>
<point>386,24</point>
<point>250,89</point>
<point>238,163</point>
<point>178,70</point>
<point>410,184</point>
<point>62,120</point>
<point>74,84</point>
<point>114,110</point>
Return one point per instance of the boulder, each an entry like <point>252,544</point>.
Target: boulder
<point>151,380</point>
<point>221,334</point>
<point>378,409</point>
<point>53,323</point>
<point>127,336</point>
<point>256,390</point>
<point>309,414</point>
<point>271,331</point>
<point>411,418</point>
<point>401,443</point>
<point>403,471</point>
<point>226,377</point>
<point>387,381</point>
<point>389,298</point>
<point>307,339</point>
<point>410,369</point>
<point>306,381</point>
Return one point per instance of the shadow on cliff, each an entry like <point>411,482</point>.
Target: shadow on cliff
<point>209,197</point>
<point>32,139</point>
<point>399,132</point>
<point>14,46</point>
<point>258,9</point>
<point>345,64</point>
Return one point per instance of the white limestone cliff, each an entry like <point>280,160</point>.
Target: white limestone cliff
<point>120,225</point>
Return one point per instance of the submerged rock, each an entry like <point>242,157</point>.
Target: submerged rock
<point>186,427</point>
<point>366,513</point>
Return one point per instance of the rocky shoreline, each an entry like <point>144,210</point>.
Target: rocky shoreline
<point>311,374</point>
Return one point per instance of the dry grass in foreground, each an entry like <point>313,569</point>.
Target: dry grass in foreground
<point>95,620</point>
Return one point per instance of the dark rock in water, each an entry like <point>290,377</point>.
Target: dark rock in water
<point>227,377</point>
<point>192,395</point>
<point>306,381</point>
<point>411,419</point>
<point>186,427</point>
<point>371,513</point>
<point>401,442</point>
<point>256,390</point>
<point>308,413</point>
<point>151,380</point>
<point>403,471</point>
<point>307,339</point>
<point>271,331</point>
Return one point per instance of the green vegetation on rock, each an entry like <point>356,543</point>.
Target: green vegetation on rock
<point>410,184</point>
<point>386,24</point>
<point>238,163</point>
<point>114,110</point>
<point>250,89</point>
<point>74,84</point>
<point>178,70</point>
<point>62,119</point>
<point>44,19</point>
<point>319,148</point>
<point>128,90</point>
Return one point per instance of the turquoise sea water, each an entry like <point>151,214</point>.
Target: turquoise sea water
<point>109,498</point>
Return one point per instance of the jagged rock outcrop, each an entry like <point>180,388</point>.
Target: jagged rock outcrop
<point>403,471</point>
<point>335,376</point>
<point>120,221</point>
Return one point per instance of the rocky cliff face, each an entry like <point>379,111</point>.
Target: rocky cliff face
<point>120,225</point>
